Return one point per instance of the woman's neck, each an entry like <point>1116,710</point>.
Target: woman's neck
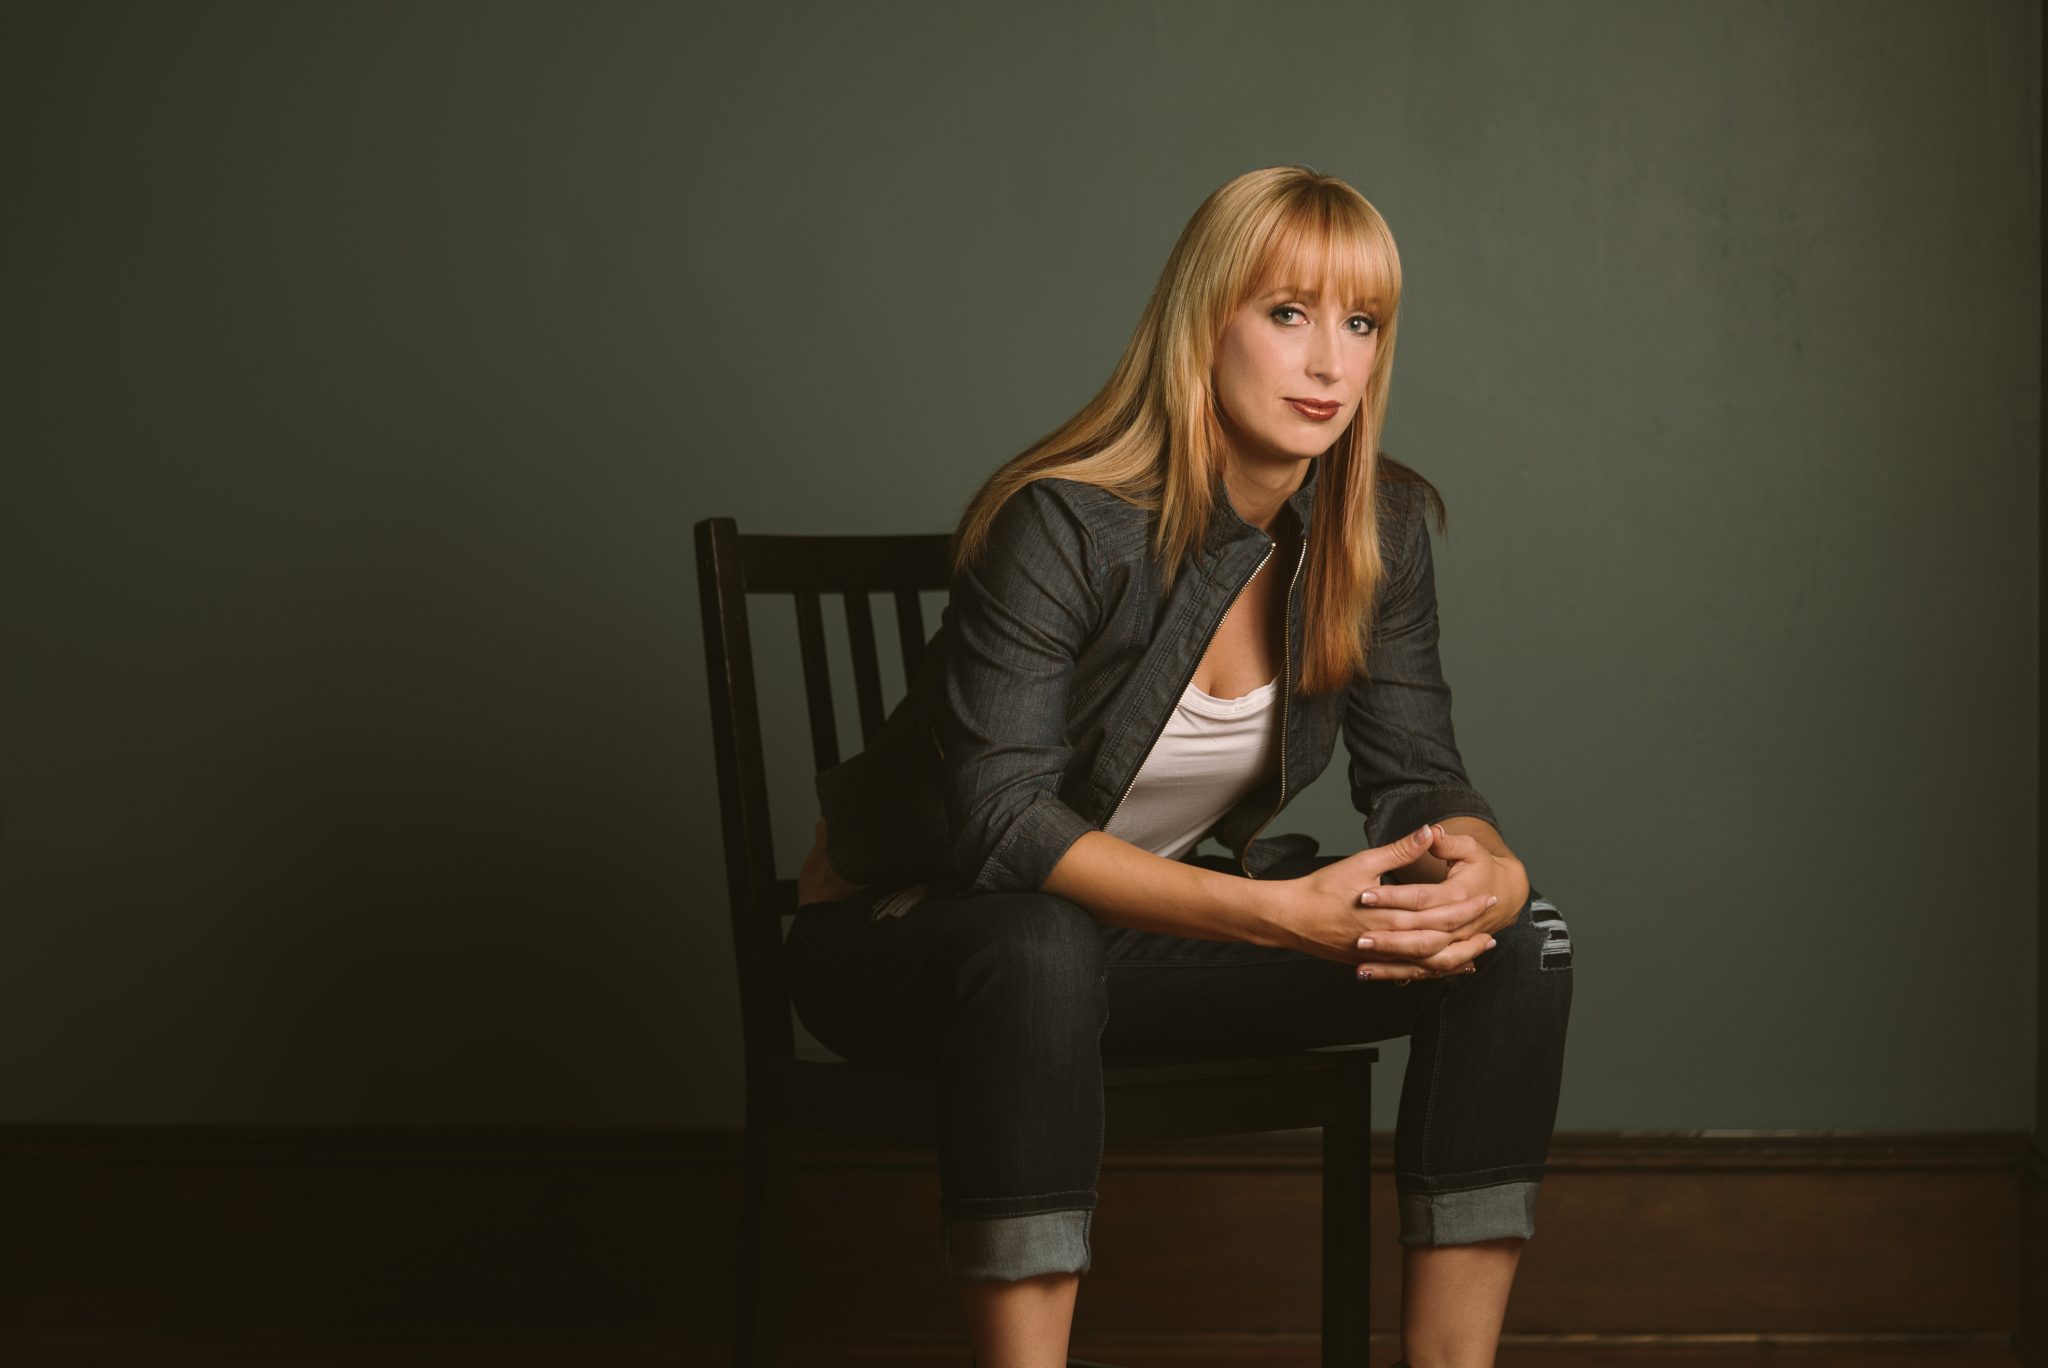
<point>1258,491</point>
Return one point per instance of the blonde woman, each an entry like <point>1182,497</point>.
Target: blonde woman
<point>1163,617</point>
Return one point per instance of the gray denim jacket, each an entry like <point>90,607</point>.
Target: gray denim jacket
<point>1057,663</point>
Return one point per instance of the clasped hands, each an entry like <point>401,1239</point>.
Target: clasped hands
<point>1397,933</point>
<point>1392,932</point>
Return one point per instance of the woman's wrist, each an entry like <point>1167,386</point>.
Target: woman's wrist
<point>1270,914</point>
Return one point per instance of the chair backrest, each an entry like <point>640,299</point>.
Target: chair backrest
<point>730,567</point>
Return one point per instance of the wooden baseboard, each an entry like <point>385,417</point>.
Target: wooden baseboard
<point>2031,1338</point>
<point>1641,1238</point>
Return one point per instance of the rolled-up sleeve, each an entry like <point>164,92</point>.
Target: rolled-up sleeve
<point>1021,615</point>
<point>1405,766</point>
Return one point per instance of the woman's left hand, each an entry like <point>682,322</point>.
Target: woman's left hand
<point>1472,870</point>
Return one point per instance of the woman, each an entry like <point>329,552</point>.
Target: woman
<point>1162,617</point>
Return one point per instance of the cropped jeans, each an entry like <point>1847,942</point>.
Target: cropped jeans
<point>1011,998</point>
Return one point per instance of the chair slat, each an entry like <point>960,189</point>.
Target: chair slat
<point>784,564</point>
<point>910,630</point>
<point>810,631</point>
<point>867,670</point>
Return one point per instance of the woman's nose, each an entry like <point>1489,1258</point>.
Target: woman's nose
<point>1325,358</point>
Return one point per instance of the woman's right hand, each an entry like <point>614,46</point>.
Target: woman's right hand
<point>1323,912</point>
<point>818,881</point>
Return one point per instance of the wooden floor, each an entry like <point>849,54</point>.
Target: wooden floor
<point>277,1349</point>
<point>516,1250</point>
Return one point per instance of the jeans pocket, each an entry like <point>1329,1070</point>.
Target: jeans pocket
<point>1556,953</point>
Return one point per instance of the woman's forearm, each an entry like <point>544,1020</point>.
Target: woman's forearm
<point>1120,884</point>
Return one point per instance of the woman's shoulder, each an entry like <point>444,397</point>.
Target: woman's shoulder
<point>1090,501</point>
<point>1403,495</point>
<point>1113,526</point>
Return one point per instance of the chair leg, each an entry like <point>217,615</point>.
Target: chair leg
<point>1347,1221</point>
<point>764,1244</point>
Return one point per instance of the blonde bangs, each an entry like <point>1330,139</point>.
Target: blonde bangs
<point>1326,242</point>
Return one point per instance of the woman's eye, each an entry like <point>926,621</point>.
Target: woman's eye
<point>1371,324</point>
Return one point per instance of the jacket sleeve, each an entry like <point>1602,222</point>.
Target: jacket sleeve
<point>1405,767</point>
<point>1021,615</point>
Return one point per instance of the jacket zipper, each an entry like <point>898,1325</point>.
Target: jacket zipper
<point>1287,687</point>
<point>1216,627</point>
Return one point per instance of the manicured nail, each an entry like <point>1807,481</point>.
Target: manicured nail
<point>1369,897</point>
<point>1365,942</point>
<point>1469,969</point>
<point>1491,942</point>
<point>1492,898</point>
<point>1364,972</point>
<point>1426,834</point>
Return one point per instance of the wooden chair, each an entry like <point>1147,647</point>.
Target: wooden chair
<point>1149,1097</point>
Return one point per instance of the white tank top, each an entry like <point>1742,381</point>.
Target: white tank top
<point>1213,752</point>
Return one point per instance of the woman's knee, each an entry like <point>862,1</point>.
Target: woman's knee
<point>1538,940</point>
<point>1035,948</point>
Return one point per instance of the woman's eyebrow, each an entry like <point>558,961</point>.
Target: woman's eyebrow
<point>1312,296</point>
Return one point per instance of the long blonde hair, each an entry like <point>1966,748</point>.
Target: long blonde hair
<point>1152,437</point>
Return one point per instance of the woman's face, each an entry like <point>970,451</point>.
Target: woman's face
<point>1286,346</point>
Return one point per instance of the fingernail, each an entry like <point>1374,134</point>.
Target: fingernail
<point>1492,898</point>
<point>1469,969</point>
<point>1364,972</point>
<point>1425,833</point>
<point>1439,830</point>
<point>1368,897</point>
<point>1365,942</point>
<point>1491,942</point>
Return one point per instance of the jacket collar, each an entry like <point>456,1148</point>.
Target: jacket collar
<point>1227,526</point>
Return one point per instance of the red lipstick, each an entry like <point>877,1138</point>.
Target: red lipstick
<point>1321,412</point>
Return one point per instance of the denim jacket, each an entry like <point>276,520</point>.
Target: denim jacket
<point>1058,662</point>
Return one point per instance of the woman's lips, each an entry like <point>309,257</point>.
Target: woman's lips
<point>1321,413</point>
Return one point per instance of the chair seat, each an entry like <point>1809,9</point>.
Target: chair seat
<point>1117,1061</point>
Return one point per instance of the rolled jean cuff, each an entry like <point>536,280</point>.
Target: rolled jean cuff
<point>1012,1247</point>
<point>1482,1213</point>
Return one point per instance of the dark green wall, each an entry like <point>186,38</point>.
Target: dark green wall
<point>368,364</point>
